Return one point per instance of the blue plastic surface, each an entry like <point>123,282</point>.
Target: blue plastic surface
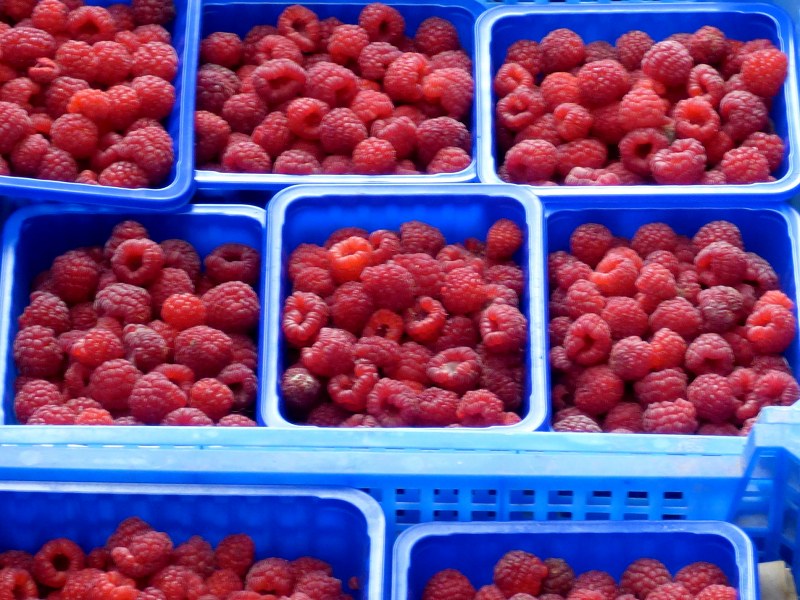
<point>343,527</point>
<point>35,235</point>
<point>309,214</point>
<point>474,548</point>
<point>177,188</point>
<point>501,26</point>
<point>239,16</point>
<point>767,231</point>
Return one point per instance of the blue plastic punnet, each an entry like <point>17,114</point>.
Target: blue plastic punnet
<point>239,16</point>
<point>474,548</point>
<point>771,232</point>
<point>35,235</point>
<point>177,187</point>
<point>344,527</point>
<point>309,214</point>
<point>501,26</point>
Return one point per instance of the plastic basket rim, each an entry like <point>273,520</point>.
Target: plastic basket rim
<point>487,163</point>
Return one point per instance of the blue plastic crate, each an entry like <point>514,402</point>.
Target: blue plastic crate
<point>35,235</point>
<point>343,527</point>
<point>180,125</point>
<point>771,232</point>
<point>309,214</point>
<point>239,16</point>
<point>474,548</point>
<point>501,26</point>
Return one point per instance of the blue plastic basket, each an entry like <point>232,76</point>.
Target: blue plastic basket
<point>771,232</point>
<point>474,548</point>
<point>501,26</point>
<point>343,527</point>
<point>35,235</point>
<point>239,16</point>
<point>180,125</point>
<point>309,214</point>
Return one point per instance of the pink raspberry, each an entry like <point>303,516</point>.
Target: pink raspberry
<point>679,416</point>
<point>668,62</point>
<point>598,390</point>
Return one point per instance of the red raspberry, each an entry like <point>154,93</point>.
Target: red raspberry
<point>22,46</point>
<point>278,80</point>
<point>584,297</point>
<point>187,417</point>
<point>456,369</point>
<point>631,48</point>
<point>128,303</point>
<point>315,280</point>
<point>437,407</point>
<point>46,310</point>
<point>16,559</point>
<point>157,98</point>
<point>221,48</point>
<point>152,149</point>
<point>698,576</point>
<point>331,354</point>
<point>393,403</point>
<point>177,582</point>
<point>708,45</point>
<point>449,160</point>
<point>75,134</point>
<point>580,153</point>
<point>719,263</point>
<point>244,112</point>
<point>351,391</point>
<point>624,317</point>
<point>383,352</point>
<point>36,352</point>
<point>91,24</point>
<point>527,53</point>
<point>630,358</point>
<point>721,307</point>
<point>590,242</point>
<point>709,353</point>
<point>168,282</point>
<point>615,275</point>
<point>346,43</point>
<point>771,328</point>
<point>600,50</point>
<point>424,322</point>
<point>608,126</point>
<point>718,592</point>
<point>573,121</point>
<point>273,134</point>
<point>579,424</point>
<point>390,285</point>
<point>463,291</point>
<point>522,108</point>
<point>96,347</point>
<point>670,591</point>
<point>215,85</point>
<point>670,417</point>
<point>332,84</point>
<point>270,575</point>
<point>232,307</point>
<point>764,72</point>
<point>341,130</point>
<point>352,306</point>
<point>242,382</point>
<point>503,240</point>
<point>668,62</point>
<point>696,118</point>
<point>457,331</point>
<point>374,156</point>
<point>677,314</point>
<point>138,261</point>
<point>153,397</point>
<point>588,340</point>
<point>510,77</point>
<point>369,106</point>
<point>625,415</point>
<point>233,262</point>
<point>531,161</point>
<point>438,133</point>
<point>51,415</point>
<point>598,390</point>
<point>712,397</point>
<point>560,577</point>
<point>50,16</point>
<point>682,163</point>
<point>376,58</point>
<point>639,146</point>
<point>602,81</point>
<point>144,347</point>
<point>656,282</point>
<point>718,231</point>
<point>383,23</point>
<point>35,394</point>
<point>451,88</point>
<point>55,561</point>
<point>212,397</point>
<point>558,88</point>
<point>435,35</point>
<point>745,165</point>
<point>770,145</point>
<point>503,328</point>
<point>519,572</point>
<point>235,552</point>
<point>586,176</point>
<point>480,408</point>
<point>403,79</point>
<point>304,315</point>
<point>158,12</point>
<point>145,554</point>
<point>204,350</point>
<point>598,581</point>
<point>301,26</point>
<point>296,162</point>
<point>27,156</point>
<point>742,113</point>
<point>111,384</point>
<point>562,50</point>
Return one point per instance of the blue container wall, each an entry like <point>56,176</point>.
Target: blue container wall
<point>742,21</point>
<point>178,185</point>
<point>34,236</point>
<point>474,550</point>
<point>343,528</point>
<point>239,17</point>
<point>771,233</point>
<point>307,215</point>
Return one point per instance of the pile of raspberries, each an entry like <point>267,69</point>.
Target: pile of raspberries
<point>400,329</point>
<point>132,333</point>
<point>666,334</point>
<point>692,109</point>
<point>84,91</point>
<point>311,96</point>
<point>520,575</point>
<point>140,563</point>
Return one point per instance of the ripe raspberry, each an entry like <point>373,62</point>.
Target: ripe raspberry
<point>278,80</point>
<point>712,397</point>
<point>602,82</point>
<point>244,112</point>
<point>510,77</point>
<point>597,581</point>
<point>588,340</point>
<point>719,263</point>
<point>296,162</point>
<point>55,561</point>
<point>144,347</point>
<point>531,161</point>
<point>157,98</point>
<point>670,591</point>
<point>451,88</point>
<point>718,231</point>
<point>721,307</point>
<point>670,417</point>
<point>631,48</point>
<point>301,26</point>
<point>586,176</point>
<point>211,136</point>
<point>36,352</point>
<point>770,145</point>
<point>523,107</point>
<point>315,280</point>
<point>625,415</point>
<point>212,397</point>
<point>157,12</point>
<point>403,79</point>
<point>630,358</point>
<point>579,424</point>
<point>580,153</point>
<point>682,163</point>
<point>51,415</point>
<point>221,48</point>
<point>598,390</point>
<point>91,24</point>
<point>145,554</point>
<point>480,408</point>
<point>437,407</point>
<point>215,85</point>
<point>341,130</point>
<point>232,307</point>
<point>331,354</point>
<point>590,242</point>
<point>46,310</point>
<point>449,160</point>
<point>346,43</point>
<point>679,315</point>
<point>708,45</point>
<point>128,303</point>
<point>463,291</point>
<point>527,53</point>
<point>369,106</point>
<point>137,262</point>
<point>204,350</point>
<point>175,581</point>
<point>717,592</point>
<point>96,347</point>
<point>393,403</point>
<point>33,395</point>
<point>696,118</point>
<point>75,134</point>
<point>615,275</point>
<point>435,35</point>
<point>573,121</point>
<point>111,384</point>
<point>562,50</point>
<point>624,317</point>
<point>152,149</point>
<point>457,331</point>
<point>742,113</point>
<point>332,84</point>
<point>698,576</point>
<point>771,328</point>
<point>382,23</point>
<point>668,62</point>
<point>233,262</point>
<point>519,572</point>
<point>584,297</point>
<point>503,328</point>
<point>455,369</point>
<point>639,146</point>
<point>709,353</point>
<point>273,134</point>
<point>745,165</point>
<point>22,46</point>
<point>304,315</point>
<point>764,72</point>
<point>153,397</point>
<point>169,281</point>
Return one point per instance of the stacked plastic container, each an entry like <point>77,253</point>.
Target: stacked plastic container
<point>388,508</point>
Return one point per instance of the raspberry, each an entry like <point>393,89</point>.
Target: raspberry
<point>382,23</point>
<point>22,46</point>
<point>438,133</point>
<point>346,43</point>
<point>522,108</point>
<point>50,16</point>
<point>271,575</point>
<point>369,106</point>
<point>639,146</point>
<point>712,397</point>
<point>717,592</point>
<point>129,303</point>
<point>393,403</point>
<point>598,390</point>
<point>16,559</point>
<point>14,126</point>
<point>510,77</point>
<point>301,26</point>
<point>624,317</point>
<point>204,350</point>
<point>670,591</point>
<point>625,415</point>
<point>668,62</point>
<point>351,391</point>
<point>764,72</point>
<point>503,240</point>
<point>212,397</point>
<point>721,307</point>
<point>278,80</point>
<point>221,48</point>
<point>455,369</point>
<point>531,161</point>
<point>580,153</point>
<point>376,58</point>
<point>630,358</point>
<point>503,328</point>
<point>296,162</point>
<point>55,561</point>
<point>602,81</point>
<point>144,347</point>
<point>578,424</point>
<point>215,85</point>
<point>315,280</point>
<point>480,408</point>
<point>457,331</point>
<point>682,163</point>
<point>718,231</point>
<point>341,130</point>
<point>151,149</point>
<point>158,12</point>
<point>745,165</point>
<point>299,388</point>
<point>583,297</point>
<point>75,134</point>
<point>52,415</point>
<point>403,79</point>
<point>35,394</point>
<point>96,347</point>
<point>698,576</point>
<point>169,281</point>
<point>145,554</point>
<point>677,314</point>
<point>157,98</point>
<point>656,282</point>
<point>588,340</point>
<point>771,328</point>
<point>451,88</point>
<point>527,53</point>
<point>585,176</point>
<point>272,47</point>
<point>244,112</point>
<point>233,262</point>
<point>111,384</point>
<point>331,354</point>
<point>374,156</point>
<point>235,552</point>
<point>178,582</point>
<point>332,84</point>
<point>36,352</point>
<point>709,353</point>
<point>562,50</point>
<point>137,262</point>
<point>304,315</point>
<point>598,581</point>
<point>600,50</point>
<point>573,121</point>
<point>631,48</point>
<point>519,572</point>
<point>696,118</point>
<point>670,417</point>
<point>590,242</point>
<point>742,113</point>
<point>449,160</point>
<point>153,397</point>
<point>615,275</point>
<point>46,310</point>
<point>719,263</point>
<point>463,291</point>
<point>770,145</point>
<point>435,35</point>
<point>273,134</point>
<point>438,407</point>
